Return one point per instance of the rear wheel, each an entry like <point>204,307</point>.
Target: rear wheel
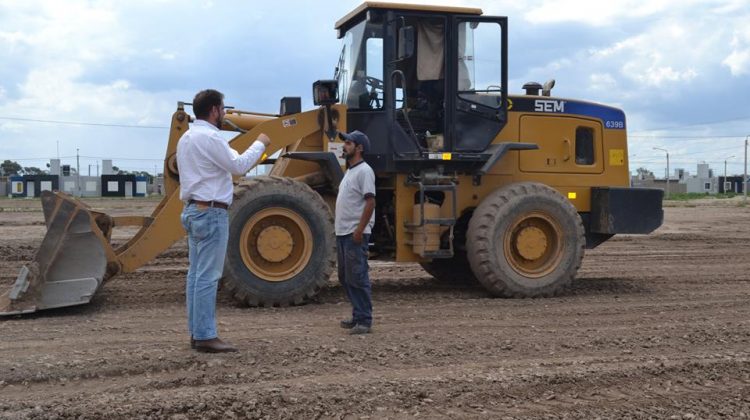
<point>282,247</point>
<point>525,240</point>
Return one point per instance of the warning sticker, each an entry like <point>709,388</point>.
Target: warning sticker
<point>337,149</point>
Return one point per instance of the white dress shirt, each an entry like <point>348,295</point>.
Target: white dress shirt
<point>206,163</point>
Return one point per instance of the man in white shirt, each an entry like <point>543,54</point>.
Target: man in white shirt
<point>355,216</point>
<point>206,164</point>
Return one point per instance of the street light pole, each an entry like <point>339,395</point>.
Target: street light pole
<point>724,187</point>
<point>667,152</point>
<point>744,178</point>
<point>78,173</point>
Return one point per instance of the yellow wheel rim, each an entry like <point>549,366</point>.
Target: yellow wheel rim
<point>533,245</point>
<point>276,244</point>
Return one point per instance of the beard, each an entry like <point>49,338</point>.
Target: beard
<point>219,122</point>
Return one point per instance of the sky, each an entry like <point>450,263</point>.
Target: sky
<point>102,78</point>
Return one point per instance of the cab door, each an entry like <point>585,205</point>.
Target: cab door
<point>477,81</point>
<point>566,145</point>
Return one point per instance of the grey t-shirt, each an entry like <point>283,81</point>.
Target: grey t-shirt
<point>357,185</point>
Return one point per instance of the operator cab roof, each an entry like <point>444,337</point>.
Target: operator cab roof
<point>355,15</point>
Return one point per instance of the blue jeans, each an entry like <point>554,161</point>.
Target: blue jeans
<point>208,233</point>
<point>354,276</point>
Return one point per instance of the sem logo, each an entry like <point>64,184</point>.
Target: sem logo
<point>549,106</point>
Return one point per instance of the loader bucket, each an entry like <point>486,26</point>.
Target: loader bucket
<point>74,259</point>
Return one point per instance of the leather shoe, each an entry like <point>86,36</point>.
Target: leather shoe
<point>214,345</point>
<point>347,324</point>
<point>359,329</point>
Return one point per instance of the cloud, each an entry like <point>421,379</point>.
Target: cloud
<point>738,60</point>
<point>665,62</point>
<point>661,54</point>
<point>11,126</point>
<point>595,12</point>
<point>602,82</point>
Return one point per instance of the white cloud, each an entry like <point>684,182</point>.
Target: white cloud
<point>74,30</point>
<point>655,75</point>
<point>105,61</point>
<point>600,13</point>
<point>56,92</point>
<point>663,53</point>
<point>11,126</point>
<point>738,60</point>
<point>602,82</point>
<point>164,55</point>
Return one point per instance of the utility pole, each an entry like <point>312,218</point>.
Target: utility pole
<point>78,173</point>
<point>724,187</point>
<point>667,152</point>
<point>744,177</point>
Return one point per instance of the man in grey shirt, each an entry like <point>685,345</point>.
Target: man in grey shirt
<point>355,216</point>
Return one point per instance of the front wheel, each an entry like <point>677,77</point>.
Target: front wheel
<point>282,247</point>
<point>525,240</point>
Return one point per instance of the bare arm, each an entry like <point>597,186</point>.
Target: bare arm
<point>365,219</point>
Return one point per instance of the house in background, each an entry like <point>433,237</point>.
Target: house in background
<point>64,178</point>
<point>731,184</point>
<point>703,182</point>
<point>32,185</point>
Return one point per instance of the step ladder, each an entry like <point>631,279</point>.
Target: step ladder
<point>449,187</point>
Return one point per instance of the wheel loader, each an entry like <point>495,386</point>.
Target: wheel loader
<point>473,183</point>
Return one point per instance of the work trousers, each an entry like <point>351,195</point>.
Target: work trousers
<point>354,276</point>
<point>208,233</point>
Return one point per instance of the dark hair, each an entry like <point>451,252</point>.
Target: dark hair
<point>205,100</point>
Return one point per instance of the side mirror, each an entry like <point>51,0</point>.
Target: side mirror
<point>405,42</point>
<point>325,92</point>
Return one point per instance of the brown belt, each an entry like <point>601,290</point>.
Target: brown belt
<point>218,204</point>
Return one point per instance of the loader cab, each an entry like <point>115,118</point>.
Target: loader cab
<point>427,84</point>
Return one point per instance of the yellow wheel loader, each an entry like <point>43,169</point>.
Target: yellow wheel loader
<point>472,182</point>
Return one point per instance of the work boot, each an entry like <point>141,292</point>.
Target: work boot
<point>347,324</point>
<point>215,345</point>
<point>360,329</point>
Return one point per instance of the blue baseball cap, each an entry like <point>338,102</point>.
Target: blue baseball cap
<point>357,137</point>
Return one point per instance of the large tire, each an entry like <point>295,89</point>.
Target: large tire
<point>282,246</point>
<point>525,240</point>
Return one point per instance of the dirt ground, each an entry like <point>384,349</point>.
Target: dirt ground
<point>655,326</point>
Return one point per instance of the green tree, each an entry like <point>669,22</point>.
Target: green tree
<point>644,173</point>
<point>11,168</point>
<point>118,171</point>
<point>32,170</point>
